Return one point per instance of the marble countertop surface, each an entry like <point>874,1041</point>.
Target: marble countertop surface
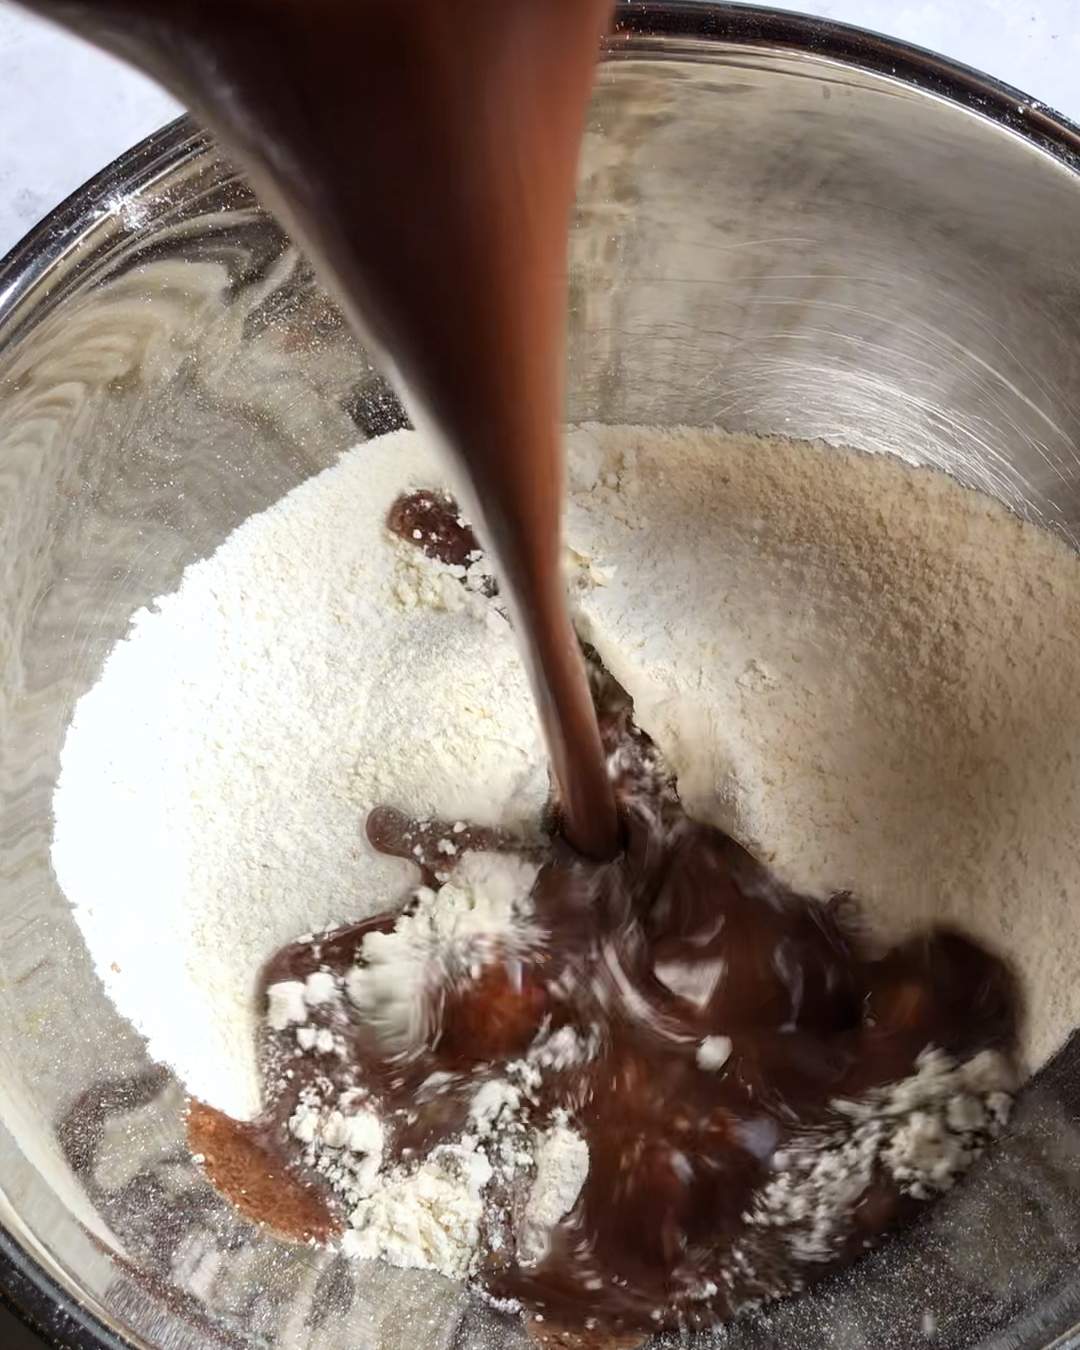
<point>66,110</point>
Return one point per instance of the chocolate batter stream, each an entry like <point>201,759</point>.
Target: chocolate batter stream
<point>424,153</point>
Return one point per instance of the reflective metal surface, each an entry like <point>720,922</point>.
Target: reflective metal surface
<point>782,227</point>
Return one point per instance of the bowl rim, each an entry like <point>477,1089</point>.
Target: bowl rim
<point>712,21</point>
<point>47,1306</point>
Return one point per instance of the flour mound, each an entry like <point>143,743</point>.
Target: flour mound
<point>214,782</point>
<point>864,672</point>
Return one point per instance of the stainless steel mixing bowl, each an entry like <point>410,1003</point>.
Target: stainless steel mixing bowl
<point>783,226</point>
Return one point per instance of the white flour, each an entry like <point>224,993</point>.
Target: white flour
<point>431,1213</point>
<point>865,672</point>
<point>562,1165</point>
<point>713,1053</point>
<point>214,782</point>
<point>486,901</point>
<point>923,1133</point>
<point>425,1217</point>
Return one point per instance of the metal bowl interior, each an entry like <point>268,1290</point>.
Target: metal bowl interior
<point>782,227</point>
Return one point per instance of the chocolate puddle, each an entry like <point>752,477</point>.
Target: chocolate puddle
<point>680,945</point>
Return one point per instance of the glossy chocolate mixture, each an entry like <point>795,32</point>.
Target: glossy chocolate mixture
<point>424,153</point>
<point>682,937</point>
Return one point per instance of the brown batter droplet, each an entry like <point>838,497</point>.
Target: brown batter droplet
<point>436,845</point>
<point>433,522</point>
<point>246,1167</point>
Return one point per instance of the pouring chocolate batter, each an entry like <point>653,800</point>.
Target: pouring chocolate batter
<point>425,154</point>
<point>760,1093</point>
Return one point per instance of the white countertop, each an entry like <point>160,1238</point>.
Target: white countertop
<point>66,110</point>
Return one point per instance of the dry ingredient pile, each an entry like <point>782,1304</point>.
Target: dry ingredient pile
<point>631,1095</point>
